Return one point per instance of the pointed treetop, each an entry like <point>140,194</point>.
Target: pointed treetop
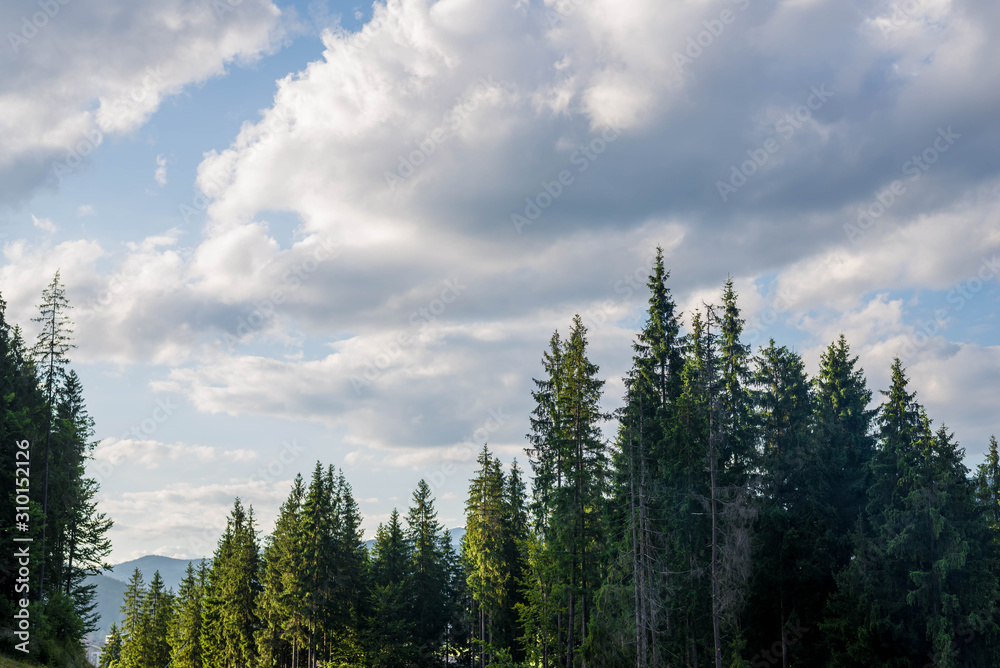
<point>54,338</point>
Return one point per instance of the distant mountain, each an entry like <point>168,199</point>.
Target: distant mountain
<point>111,584</point>
<point>110,593</point>
<point>456,539</point>
<point>171,570</point>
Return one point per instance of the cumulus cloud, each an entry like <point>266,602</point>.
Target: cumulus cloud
<point>101,69</point>
<point>530,156</point>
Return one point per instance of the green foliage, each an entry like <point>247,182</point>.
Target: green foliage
<point>184,632</point>
<point>428,582</point>
<point>229,622</point>
<point>111,653</point>
<point>745,515</point>
<point>569,458</point>
<point>42,408</point>
<point>391,625</point>
<point>493,555</point>
<point>922,576</point>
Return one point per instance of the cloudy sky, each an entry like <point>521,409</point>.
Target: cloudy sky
<point>324,230</point>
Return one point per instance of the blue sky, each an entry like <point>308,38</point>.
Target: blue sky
<point>346,232</point>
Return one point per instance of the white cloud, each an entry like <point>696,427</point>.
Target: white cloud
<point>191,514</point>
<point>161,171</point>
<point>44,224</point>
<point>85,210</point>
<point>475,110</point>
<point>102,69</point>
<point>150,454</point>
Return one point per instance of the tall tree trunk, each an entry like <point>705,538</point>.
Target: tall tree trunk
<point>545,632</point>
<point>781,595</point>
<point>715,527</point>
<point>69,561</point>
<point>640,653</point>
<point>571,623</point>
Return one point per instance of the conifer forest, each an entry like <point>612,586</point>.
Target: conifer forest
<point>730,511</point>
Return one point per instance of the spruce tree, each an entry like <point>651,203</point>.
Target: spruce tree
<point>111,652</point>
<point>282,602</point>
<point>541,615</point>
<point>23,416</point>
<point>737,447</point>
<point>429,577</point>
<point>844,440</point>
<point>131,628</point>
<point>647,480</point>
<point>693,636</point>
<point>350,576</point>
<point>788,580</point>
<point>988,489</point>
<point>515,537</point>
<point>921,576</point>
<point>390,626</point>
<point>184,632</point>
<point>49,354</point>
<point>229,623</point>
<point>570,462</point>
<point>155,620</point>
<point>544,453</point>
<point>318,517</point>
<point>80,530</point>
<point>844,445</point>
<point>733,461</point>
<point>484,555</point>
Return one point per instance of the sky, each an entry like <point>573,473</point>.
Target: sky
<point>345,232</point>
